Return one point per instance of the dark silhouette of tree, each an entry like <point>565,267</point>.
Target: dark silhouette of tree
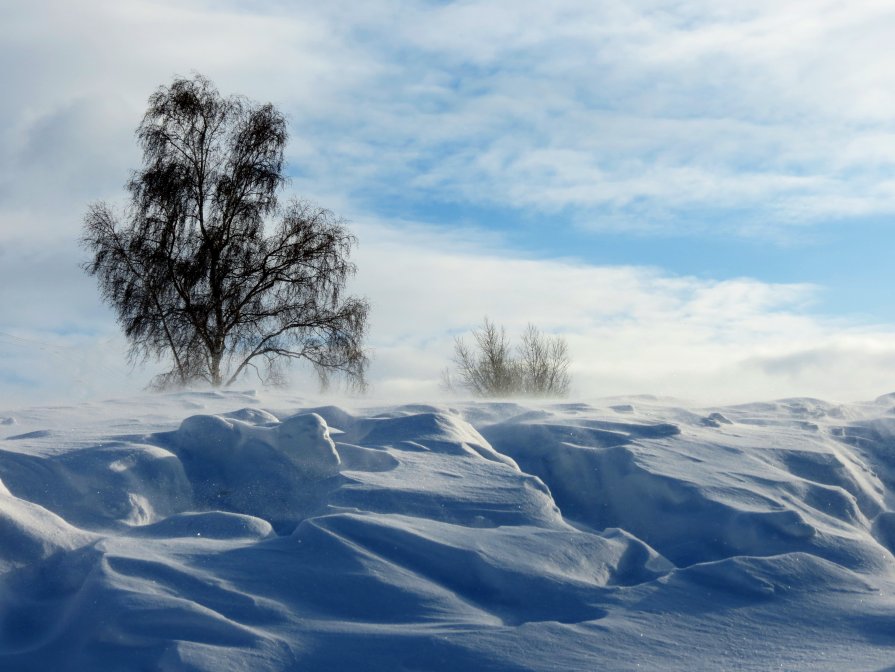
<point>207,268</point>
<point>489,368</point>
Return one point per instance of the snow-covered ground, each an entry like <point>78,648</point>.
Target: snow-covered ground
<point>237,531</point>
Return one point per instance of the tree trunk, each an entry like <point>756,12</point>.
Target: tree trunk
<point>216,369</point>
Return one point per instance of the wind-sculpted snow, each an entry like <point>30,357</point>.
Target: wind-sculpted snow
<point>193,532</point>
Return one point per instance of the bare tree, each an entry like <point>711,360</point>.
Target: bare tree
<point>207,268</point>
<point>543,364</point>
<point>490,369</point>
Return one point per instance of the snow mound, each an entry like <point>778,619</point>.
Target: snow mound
<point>29,533</point>
<point>206,525</point>
<point>300,443</point>
<point>430,431</point>
<point>104,485</point>
<point>491,536</point>
<point>257,465</point>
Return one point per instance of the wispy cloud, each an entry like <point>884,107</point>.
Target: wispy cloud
<point>635,114</point>
<point>622,114</point>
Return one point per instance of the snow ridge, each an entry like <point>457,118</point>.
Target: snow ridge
<point>490,536</point>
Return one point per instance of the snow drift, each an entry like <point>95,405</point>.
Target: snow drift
<point>627,534</point>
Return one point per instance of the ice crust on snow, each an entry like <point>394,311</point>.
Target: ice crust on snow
<point>489,536</point>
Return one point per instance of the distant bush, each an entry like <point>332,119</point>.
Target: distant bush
<point>491,367</point>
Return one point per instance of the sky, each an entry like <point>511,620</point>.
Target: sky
<point>697,195</point>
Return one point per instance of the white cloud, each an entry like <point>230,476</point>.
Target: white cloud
<point>615,111</point>
<point>630,329</point>
<point>774,108</point>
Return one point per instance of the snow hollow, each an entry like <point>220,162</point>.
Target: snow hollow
<point>237,531</point>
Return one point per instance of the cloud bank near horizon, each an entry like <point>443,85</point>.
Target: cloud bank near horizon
<point>630,329</point>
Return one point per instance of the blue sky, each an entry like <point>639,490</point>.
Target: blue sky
<point>692,192</point>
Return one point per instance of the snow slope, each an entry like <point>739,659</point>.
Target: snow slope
<point>210,531</point>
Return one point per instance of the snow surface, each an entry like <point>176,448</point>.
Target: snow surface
<point>237,531</point>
